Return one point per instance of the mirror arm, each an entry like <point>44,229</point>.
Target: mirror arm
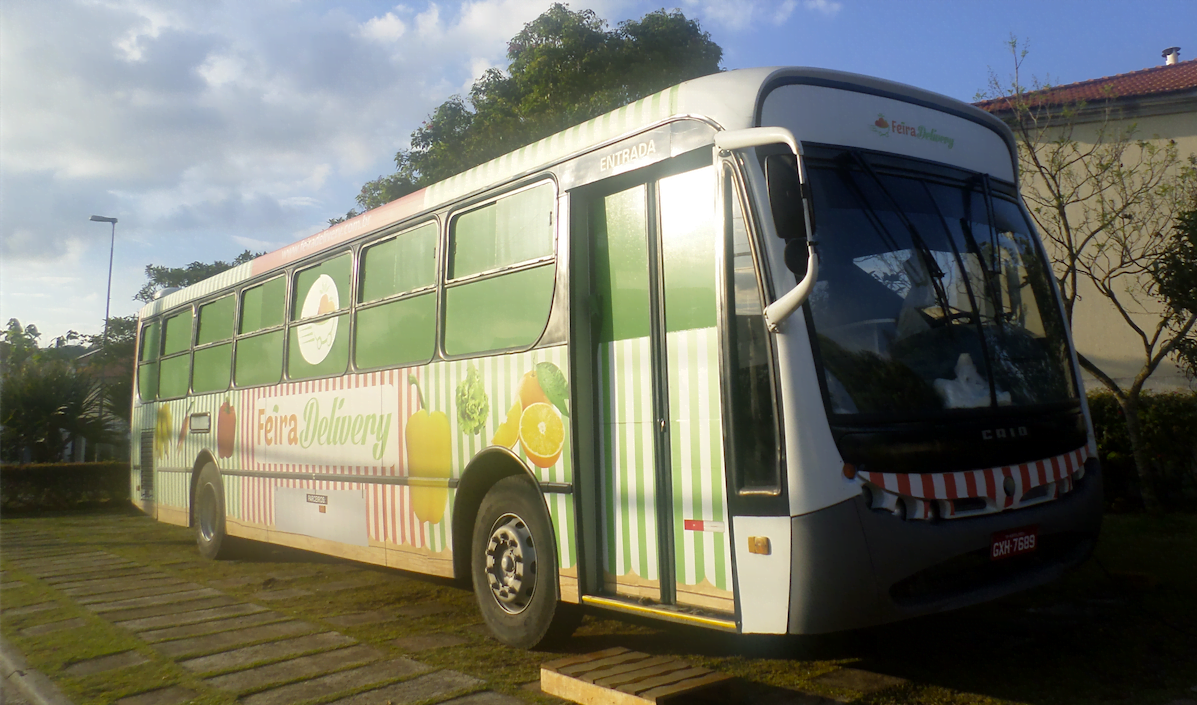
<point>783,307</point>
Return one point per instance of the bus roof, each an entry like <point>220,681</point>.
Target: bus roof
<point>730,99</point>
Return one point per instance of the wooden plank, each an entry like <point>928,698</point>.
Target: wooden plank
<point>691,685</point>
<point>577,691</point>
<point>651,672</point>
<point>579,658</point>
<point>618,676</point>
<point>642,686</point>
<point>610,676</point>
<point>585,667</point>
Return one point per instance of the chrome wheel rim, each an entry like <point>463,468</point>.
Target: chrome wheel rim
<point>206,509</point>
<point>511,564</point>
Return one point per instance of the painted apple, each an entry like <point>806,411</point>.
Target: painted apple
<point>226,430</point>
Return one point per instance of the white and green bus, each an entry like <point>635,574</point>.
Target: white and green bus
<point>772,351</point>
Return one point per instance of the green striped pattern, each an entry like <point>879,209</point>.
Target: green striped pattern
<point>626,447</point>
<point>696,437</point>
<point>173,489</point>
<point>501,375</point>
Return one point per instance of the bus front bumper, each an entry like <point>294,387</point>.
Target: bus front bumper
<point>856,567</point>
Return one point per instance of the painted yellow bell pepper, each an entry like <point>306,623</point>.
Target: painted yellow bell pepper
<point>429,458</point>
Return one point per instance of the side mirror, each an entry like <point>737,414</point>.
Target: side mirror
<point>783,176</point>
<point>785,196</point>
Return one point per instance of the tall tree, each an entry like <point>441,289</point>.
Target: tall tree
<point>565,67</point>
<point>159,277</point>
<point>1103,200</point>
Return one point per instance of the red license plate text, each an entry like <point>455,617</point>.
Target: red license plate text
<point>1013,542</point>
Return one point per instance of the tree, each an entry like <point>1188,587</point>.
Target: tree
<point>45,398</point>
<point>160,277</point>
<point>1175,279</point>
<point>565,68</point>
<point>1103,202</point>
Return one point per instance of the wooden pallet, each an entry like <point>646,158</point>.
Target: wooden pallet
<point>621,677</point>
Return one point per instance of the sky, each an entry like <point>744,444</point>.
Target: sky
<point>212,127</point>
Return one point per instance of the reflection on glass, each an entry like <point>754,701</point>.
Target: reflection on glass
<point>924,304</point>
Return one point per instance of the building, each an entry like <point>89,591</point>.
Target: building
<point>1160,104</point>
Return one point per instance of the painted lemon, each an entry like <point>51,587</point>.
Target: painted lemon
<point>542,434</point>
<point>162,432</point>
<point>508,433</point>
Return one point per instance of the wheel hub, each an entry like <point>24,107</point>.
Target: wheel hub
<point>511,563</point>
<point>207,512</point>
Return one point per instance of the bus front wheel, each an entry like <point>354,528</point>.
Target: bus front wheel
<point>514,567</point>
<point>209,514</point>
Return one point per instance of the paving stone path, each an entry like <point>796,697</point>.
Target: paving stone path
<point>262,656</point>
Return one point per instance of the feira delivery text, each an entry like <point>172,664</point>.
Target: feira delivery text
<point>772,351</point>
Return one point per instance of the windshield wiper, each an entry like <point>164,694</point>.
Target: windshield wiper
<point>920,244</point>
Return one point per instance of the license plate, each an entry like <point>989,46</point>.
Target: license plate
<point>1013,542</point>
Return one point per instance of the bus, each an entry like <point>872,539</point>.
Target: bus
<point>763,353</point>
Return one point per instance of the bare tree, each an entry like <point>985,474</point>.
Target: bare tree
<point>1105,200</point>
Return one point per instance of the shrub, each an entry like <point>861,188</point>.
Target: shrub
<point>1169,424</point>
<point>51,486</point>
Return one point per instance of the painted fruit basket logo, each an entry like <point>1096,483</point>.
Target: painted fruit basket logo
<point>880,125</point>
<point>316,339</point>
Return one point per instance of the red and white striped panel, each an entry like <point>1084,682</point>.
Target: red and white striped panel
<point>982,483</point>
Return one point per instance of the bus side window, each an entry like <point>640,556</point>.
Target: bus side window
<point>508,244</point>
<point>259,356</point>
<point>174,374</point>
<point>753,420</point>
<point>399,275</point>
<point>147,369</point>
<point>320,294</point>
<point>211,366</point>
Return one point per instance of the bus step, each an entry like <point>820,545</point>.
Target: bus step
<point>618,676</point>
<point>669,613</point>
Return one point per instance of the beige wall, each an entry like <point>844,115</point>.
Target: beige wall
<point>1099,330</point>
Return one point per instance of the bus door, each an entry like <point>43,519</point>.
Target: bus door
<point>661,515</point>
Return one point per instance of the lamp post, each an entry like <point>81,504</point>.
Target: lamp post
<point>107,309</point>
<point>111,249</point>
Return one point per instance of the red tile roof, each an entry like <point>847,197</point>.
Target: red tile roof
<point>1158,80</point>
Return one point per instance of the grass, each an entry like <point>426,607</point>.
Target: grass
<point>1120,629</point>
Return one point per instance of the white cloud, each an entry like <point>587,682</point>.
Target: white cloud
<point>428,23</point>
<point>387,28</point>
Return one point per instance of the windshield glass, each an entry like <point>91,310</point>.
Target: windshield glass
<point>932,296</point>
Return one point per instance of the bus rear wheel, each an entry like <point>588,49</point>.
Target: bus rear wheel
<point>209,523</point>
<point>514,567</point>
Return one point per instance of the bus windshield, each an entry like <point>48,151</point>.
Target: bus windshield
<point>932,294</point>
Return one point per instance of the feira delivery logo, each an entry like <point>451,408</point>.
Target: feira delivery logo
<point>885,128</point>
<point>335,427</point>
<point>316,339</point>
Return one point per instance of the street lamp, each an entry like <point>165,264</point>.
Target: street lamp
<point>107,309</point>
<point>111,249</point>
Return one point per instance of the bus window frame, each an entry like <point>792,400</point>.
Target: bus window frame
<point>291,310</point>
<point>238,336</point>
<point>230,341</point>
<point>436,288</point>
<point>445,283</point>
<point>145,323</point>
<point>750,501</point>
<point>187,349</point>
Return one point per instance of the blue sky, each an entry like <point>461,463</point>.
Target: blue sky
<point>209,128</point>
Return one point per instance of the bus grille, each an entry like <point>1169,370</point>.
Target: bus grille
<point>147,464</point>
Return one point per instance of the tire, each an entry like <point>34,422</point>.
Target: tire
<point>208,514</point>
<point>514,566</point>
